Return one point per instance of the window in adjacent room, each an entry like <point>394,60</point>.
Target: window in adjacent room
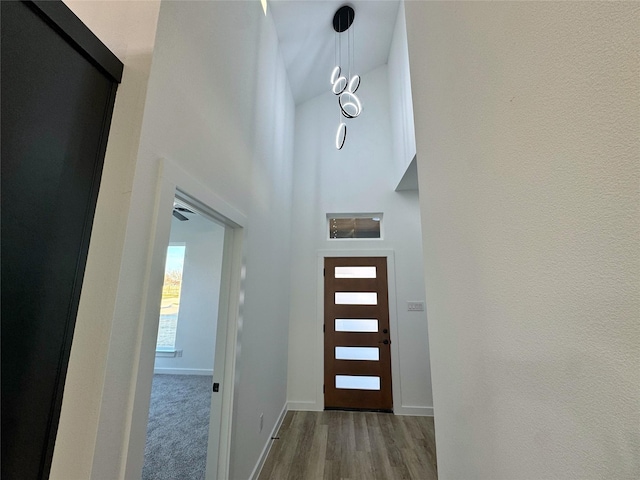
<point>170,298</point>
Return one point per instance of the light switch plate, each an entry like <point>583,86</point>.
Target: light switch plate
<point>415,306</point>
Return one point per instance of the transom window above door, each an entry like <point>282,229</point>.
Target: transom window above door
<point>354,226</point>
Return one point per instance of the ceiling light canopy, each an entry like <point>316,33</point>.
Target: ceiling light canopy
<point>343,18</point>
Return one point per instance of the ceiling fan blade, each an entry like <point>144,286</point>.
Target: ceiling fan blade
<point>179,216</point>
<point>182,209</point>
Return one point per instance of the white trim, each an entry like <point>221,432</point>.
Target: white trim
<point>414,411</point>
<point>226,351</point>
<point>166,353</point>
<point>182,371</point>
<point>267,447</point>
<point>393,318</point>
<point>305,406</point>
<point>185,182</point>
<point>173,181</point>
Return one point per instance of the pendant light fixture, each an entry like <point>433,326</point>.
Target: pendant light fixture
<point>343,83</point>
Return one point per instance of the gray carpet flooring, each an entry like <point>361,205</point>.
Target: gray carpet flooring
<point>178,428</point>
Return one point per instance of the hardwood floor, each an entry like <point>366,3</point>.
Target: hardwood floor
<point>337,445</point>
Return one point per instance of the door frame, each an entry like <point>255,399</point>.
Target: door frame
<point>174,181</point>
<point>393,319</point>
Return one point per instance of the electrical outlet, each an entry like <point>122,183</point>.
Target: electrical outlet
<point>178,353</point>
<point>261,421</point>
<point>415,306</point>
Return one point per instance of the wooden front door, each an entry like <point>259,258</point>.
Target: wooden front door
<point>357,344</point>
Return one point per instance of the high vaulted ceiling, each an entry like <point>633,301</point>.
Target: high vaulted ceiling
<point>307,39</point>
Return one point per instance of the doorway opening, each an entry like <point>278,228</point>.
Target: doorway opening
<point>178,190</point>
<point>180,410</point>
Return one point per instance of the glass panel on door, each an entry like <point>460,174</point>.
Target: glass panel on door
<point>358,353</point>
<point>357,382</point>
<point>356,325</point>
<point>355,272</point>
<point>356,298</point>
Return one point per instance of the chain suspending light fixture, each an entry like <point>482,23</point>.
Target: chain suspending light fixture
<point>345,86</point>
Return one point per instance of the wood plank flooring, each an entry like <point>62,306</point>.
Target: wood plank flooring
<point>337,445</point>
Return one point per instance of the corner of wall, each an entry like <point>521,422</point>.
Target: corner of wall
<point>400,96</point>
<point>128,29</point>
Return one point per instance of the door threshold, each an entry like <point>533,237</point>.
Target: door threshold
<point>345,409</point>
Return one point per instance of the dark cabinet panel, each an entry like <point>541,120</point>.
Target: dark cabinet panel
<point>56,110</point>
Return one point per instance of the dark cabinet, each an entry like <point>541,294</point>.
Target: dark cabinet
<point>57,91</point>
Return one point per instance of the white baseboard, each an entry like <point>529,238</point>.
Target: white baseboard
<point>414,411</point>
<point>304,406</point>
<point>315,407</point>
<point>183,371</point>
<point>267,447</point>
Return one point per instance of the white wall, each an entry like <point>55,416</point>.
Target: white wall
<point>359,178</point>
<point>199,296</point>
<point>527,119</point>
<point>128,29</point>
<point>219,106</point>
<point>402,125</point>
